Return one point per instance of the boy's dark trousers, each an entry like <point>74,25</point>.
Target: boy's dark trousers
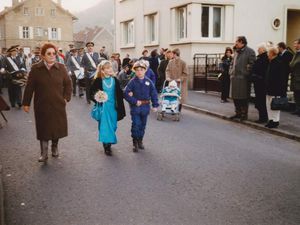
<point>139,117</point>
<point>15,94</point>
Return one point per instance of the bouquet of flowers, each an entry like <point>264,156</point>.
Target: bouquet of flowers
<point>101,97</point>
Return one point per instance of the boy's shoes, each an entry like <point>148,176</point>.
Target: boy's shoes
<point>135,145</point>
<point>140,144</point>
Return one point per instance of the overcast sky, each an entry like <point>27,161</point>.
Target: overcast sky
<point>71,5</point>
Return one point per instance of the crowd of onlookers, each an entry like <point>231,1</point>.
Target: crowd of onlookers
<point>271,72</point>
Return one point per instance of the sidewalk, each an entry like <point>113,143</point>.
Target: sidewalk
<point>209,103</point>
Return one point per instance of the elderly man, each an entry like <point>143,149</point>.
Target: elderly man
<point>244,58</point>
<point>295,76</point>
<point>177,70</point>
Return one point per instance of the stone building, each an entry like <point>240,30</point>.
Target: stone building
<point>99,35</point>
<point>31,23</point>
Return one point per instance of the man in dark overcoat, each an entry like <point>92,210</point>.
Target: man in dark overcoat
<point>240,70</point>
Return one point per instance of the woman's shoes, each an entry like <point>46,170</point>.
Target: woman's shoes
<point>272,124</point>
<point>107,149</point>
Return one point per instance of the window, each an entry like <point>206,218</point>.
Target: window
<point>25,32</point>
<point>39,11</point>
<point>151,26</point>
<point>39,31</point>
<point>211,21</point>
<point>182,23</point>
<point>54,34</point>
<point>26,11</point>
<point>128,33</point>
<point>53,12</point>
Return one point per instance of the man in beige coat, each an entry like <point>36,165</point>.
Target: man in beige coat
<point>177,70</point>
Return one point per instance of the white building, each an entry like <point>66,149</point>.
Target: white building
<point>203,26</point>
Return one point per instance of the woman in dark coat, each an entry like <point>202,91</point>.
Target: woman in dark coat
<point>225,78</point>
<point>258,77</point>
<point>50,84</point>
<point>113,109</point>
<point>275,86</point>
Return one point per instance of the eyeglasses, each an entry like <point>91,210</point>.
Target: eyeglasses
<point>51,53</point>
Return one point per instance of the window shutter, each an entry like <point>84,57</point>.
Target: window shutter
<point>20,32</point>
<point>49,33</point>
<point>30,32</point>
<point>58,33</point>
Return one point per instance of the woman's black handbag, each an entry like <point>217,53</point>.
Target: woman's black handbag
<point>279,103</point>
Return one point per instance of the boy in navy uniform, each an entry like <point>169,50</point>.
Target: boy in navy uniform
<point>139,91</point>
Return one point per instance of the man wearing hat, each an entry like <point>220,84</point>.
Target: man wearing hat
<point>37,55</point>
<point>89,62</point>
<point>17,75</point>
<point>71,47</point>
<point>75,71</point>
<point>139,92</point>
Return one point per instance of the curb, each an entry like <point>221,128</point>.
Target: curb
<point>277,132</point>
<point>1,199</point>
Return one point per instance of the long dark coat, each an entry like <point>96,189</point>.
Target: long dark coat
<point>240,71</point>
<point>97,85</point>
<point>51,89</point>
<point>295,75</point>
<point>275,78</point>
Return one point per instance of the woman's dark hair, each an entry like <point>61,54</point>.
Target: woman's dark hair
<point>47,46</point>
<point>242,39</point>
<point>228,49</point>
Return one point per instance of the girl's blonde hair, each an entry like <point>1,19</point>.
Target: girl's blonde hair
<point>99,72</point>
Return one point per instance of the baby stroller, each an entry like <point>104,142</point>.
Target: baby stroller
<point>169,110</point>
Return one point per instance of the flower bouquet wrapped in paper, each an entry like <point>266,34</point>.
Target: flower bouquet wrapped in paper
<point>101,97</point>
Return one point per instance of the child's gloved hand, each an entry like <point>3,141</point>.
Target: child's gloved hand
<point>138,103</point>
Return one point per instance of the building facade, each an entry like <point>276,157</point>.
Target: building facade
<point>30,23</point>
<point>203,26</point>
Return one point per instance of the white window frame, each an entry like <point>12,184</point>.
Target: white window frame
<point>26,11</point>
<point>39,11</point>
<point>54,33</point>
<point>128,33</point>
<point>25,32</point>
<point>211,25</point>
<point>151,29</point>
<point>181,25</point>
<point>53,12</point>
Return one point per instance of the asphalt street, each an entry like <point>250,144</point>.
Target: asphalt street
<point>199,171</point>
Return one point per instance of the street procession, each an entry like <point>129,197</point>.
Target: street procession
<point>140,112</point>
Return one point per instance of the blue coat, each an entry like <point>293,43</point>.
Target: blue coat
<point>142,90</point>
<point>151,75</point>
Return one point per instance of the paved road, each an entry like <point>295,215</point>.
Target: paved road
<point>200,171</point>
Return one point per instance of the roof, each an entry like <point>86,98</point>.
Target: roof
<point>9,9</point>
<point>89,34</point>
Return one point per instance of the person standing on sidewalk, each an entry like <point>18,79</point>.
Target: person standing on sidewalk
<point>286,57</point>
<point>225,78</point>
<point>177,70</point>
<point>295,76</point>
<point>275,85</point>
<point>138,93</point>
<point>240,70</point>
<point>258,77</point>
<point>163,67</point>
<point>51,87</point>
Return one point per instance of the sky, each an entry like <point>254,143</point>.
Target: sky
<point>71,5</point>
